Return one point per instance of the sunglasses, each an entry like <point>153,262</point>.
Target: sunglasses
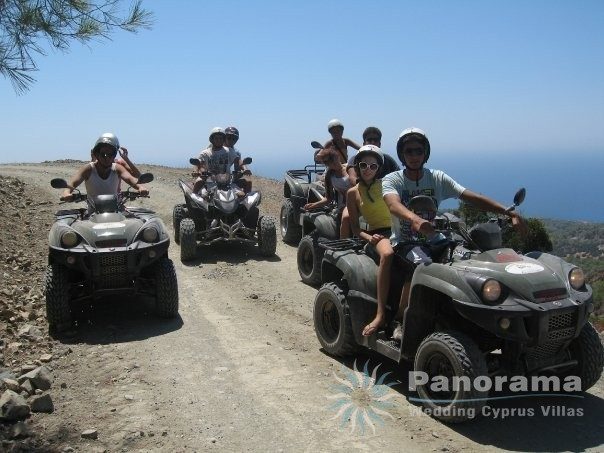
<point>414,151</point>
<point>372,140</point>
<point>365,166</point>
<point>106,154</point>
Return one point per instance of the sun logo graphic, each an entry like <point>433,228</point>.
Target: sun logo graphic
<point>361,399</point>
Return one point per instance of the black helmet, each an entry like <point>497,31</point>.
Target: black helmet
<point>412,134</point>
<point>232,131</point>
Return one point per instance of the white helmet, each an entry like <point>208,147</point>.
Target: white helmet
<point>334,123</point>
<point>217,130</point>
<point>107,138</point>
<point>412,133</point>
<point>371,150</point>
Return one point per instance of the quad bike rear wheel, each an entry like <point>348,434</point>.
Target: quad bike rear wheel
<point>166,288</point>
<point>451,355</point>
<point>58,288</point>
<point>291,232</point>
<point>178,213</point>
<point>267,236</point>
<point>309,260</point>
<point>332,321</point>
<point>188,240</point>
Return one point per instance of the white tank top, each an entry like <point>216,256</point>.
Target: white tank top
<point>95,185</point>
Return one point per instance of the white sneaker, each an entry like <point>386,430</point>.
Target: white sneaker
<point>397,334</point>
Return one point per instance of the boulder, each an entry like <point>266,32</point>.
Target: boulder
<point>40,378</point>
<point>13,406</point>
<point>41,403</point>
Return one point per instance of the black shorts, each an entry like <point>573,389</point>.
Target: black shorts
<point>412,255</point>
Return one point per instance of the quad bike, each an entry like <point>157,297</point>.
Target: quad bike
<point>221,212</point>
<point>300,187</point>
<point>104,250</point>
<point>307,228</point>
<point>477,310</point>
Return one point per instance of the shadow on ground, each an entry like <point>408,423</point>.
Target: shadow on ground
<point>118,320</point>
<point>233,253</point>
<point>529,423</point>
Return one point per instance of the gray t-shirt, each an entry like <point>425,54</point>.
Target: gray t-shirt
<point>434,183</point>
<point>218,160</point>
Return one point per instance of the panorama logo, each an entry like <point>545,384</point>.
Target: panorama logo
<point>362,399</point>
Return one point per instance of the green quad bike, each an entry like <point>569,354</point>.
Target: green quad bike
<point>477,310</point>
<point>105,250</point>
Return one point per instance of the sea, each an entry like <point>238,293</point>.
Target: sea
<point>565,186</point>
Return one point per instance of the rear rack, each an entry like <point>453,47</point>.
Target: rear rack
<point>337,245</point>
<point>307,173</point>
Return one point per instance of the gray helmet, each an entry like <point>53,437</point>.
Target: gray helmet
<point>231,130</point>
<point>107,138</point>
<point>412,134</point>
<point>370,150</point>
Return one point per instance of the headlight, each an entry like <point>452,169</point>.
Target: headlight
<point>491,290</point>
<point>150,234</point>
<point>69,239</point>
<point>576,277</point>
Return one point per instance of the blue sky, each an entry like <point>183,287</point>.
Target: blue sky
<point>483,78</point>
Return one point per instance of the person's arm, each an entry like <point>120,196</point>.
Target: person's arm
<point>78,178</point>
<point>352,203</point>
<point>487,204</point>
<point>130,180</point>
<point>398,209</point>
<point>352,144</point>
<point>127,163</point>
<point>325,200</point>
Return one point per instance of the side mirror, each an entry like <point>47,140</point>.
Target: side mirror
<point>246,161</point>
<point>58,183</point>
<point>519,197</point>
<point>195,161</point>
<point>145,178</point>
<point>316,145</point>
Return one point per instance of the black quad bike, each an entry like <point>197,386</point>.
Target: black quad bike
<point>221,212</point>
<point>477,310</point>
<point>299,187</point>
<point>307,229</point>
<point>104,250</point>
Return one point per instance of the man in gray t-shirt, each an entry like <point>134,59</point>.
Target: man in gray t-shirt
<point>413,149</point>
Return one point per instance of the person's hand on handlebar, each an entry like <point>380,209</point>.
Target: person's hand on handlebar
<point>143,191</point>
<point>67,195</point>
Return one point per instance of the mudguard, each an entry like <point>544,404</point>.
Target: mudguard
<point>323,223</point>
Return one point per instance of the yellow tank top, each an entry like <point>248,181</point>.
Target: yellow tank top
<point>376,213</point>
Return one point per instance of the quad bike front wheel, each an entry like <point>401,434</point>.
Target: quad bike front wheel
<point>291,232</point>
<point>188,240</point>
<point>451,356</point>
<point>178,213</point>
<point>587,350</point>
<point>58,287</point>
<point>332,321</point>
<point>267,236</point>
<point>166,288</point>
<point>309,260</point>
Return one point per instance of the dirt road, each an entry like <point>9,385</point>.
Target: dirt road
<point>242,370</point>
